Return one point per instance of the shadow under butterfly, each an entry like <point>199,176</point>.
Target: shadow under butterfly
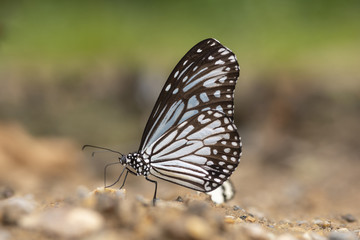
<point>190,138</point>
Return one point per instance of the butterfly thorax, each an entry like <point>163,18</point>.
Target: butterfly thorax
<point>137,162</point>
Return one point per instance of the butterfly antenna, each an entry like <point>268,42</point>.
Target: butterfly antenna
<point>103,148</point>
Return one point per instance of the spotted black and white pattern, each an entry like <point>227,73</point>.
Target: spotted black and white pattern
<point>190,138</point>
<point>223,193</point>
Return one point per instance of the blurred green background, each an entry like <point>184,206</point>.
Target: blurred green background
<point>92,70</point>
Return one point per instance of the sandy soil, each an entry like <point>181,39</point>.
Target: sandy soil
<point>50,189</point>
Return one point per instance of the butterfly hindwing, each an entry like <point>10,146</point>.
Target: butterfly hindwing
<point>204,79</point>
<point>223,193</point>
<point>201,153</point>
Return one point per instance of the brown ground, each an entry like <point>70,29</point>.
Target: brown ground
<point>55,196</point>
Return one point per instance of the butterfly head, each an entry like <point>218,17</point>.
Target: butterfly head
<point>128,159</point>
<point>122,159</point>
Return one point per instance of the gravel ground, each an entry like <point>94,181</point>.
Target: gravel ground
<point>48,192</point>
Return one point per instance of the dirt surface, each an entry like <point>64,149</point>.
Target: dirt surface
<point>50,189</point>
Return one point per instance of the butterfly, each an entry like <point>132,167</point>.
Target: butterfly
<point>190,138</point>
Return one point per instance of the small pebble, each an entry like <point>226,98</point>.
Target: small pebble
<point>14,208</point>
<point>198,228</point>
<point>256,213</point>
<point>312,236</point>
<point>64,222</point>
<point>322,224</point>
<point>255,231</point>
<point>286,236</point>
<point>342,236</point>
<point>179,199</point>
<point>6,192</point>
<point>349,218</point>
<point>4,235</point>
<point>250,219</point>
<point>236,208</point>
<point>230,219</point>
<point>301,222</point>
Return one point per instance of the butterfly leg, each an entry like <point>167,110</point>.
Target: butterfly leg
<point>155,182</point>
<point>117,180</point>
<point>127,172</point>
<point>122,185</point>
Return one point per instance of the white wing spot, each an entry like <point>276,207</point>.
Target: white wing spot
<point>203,151</point>
<point>221,50</point>
<point>186,62</point>
<point>230,127</point>
<point>233,159</point>
<point>217,115</point>
<point>225,52</point>
<point>227,150</point>
<point>229,112</point>
<point>235,153</point>
<point>222,80</point>
<point>168,87</point>
<point>227,69</point>
<point>215,151</point>
<point>223,142</point>
<point>224,157</point>
<point>226,121</point>
<point>201,117</point>
<point>230,166</point>
<point>234,144</point>
<point>185,78</point>
<point>214,184</point>
<point>176,91</point>
<point>221,163</point>
<point>210,57</point>
<point>219,108</point>
<point>204,97</point>
<point>222,176</point>
<point>196,67</point>
<point>199,50</point>
<point>212,44</point>
<point>228,95</point>
<point>232,58</point>
<point>176,74</point>
<point>217,93</point>
<point>193,102</point>
<point>209,163</point>
<point>225,171</point>
<point>217,180</point>
<point>219,62</point>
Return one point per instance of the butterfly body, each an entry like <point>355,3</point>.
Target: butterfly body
<point>137,162</point>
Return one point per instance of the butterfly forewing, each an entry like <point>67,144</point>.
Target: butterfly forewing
<point>201,153</point>
<point>204,79</point>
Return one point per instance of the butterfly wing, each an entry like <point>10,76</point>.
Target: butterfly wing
<point>223,193</point>
<point>204,79</point>
<point>201,153</point>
